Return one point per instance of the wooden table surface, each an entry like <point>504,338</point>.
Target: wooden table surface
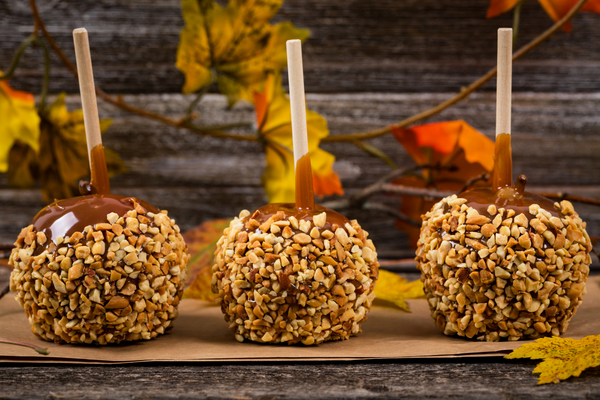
<point>367,65</point>
<point>462,378</point>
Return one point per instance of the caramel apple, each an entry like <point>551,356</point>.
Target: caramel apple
<point>100,268</point>
<point>290,273</point>
<point>501,263</point>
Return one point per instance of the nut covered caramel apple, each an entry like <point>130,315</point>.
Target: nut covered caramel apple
<point>100,268</point>
<point>295,272</point>
<point>503,272</point>
<point>501,263</point>
<point>291,274</point>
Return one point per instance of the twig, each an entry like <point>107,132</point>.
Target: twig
<point>40,350</point>
<point>571,197</point>
<point>5,290</point>
<point>412,191</point>
<point>464,92</point>
<point>483,177</point>
<point>194,103</point>
<point>517,20</point>
<point>31,39</point>
<point>397,173</point>
<point>17,57</point>
<point>46,82</point>
<point>359,199</point>
<point>369,205</point>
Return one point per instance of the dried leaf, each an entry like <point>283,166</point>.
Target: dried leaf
<point>201,242</point>
<point>498,7</point>
<point>63,158</point>
<point>456,151</point>
<point>23,169</point>
<point>39,350</point>
<point>275,130</point>
<point>556,9</point>
<point>234,46</point>
<point>563,357</point>
<point>376,152</point>
<point>19,121</point>
<point>393,290</point>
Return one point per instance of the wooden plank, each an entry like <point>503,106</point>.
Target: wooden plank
<point>382,45</point>
<point>555,142</point>
<point>468,379</point>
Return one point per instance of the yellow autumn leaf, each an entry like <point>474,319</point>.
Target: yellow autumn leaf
<point>392,289</point>
<point>234,46</point>
<point>274,123</point>
<point>63,158</point>
<point>19,121</point>
<point>563,357</point>
<point>201,242</point>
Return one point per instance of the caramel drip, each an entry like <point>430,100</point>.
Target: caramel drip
<point>289,209</point>
<point>502,176</point>
<point>305,195</point>
<point>515,198</point>
<point>503,194</point>
<point>65,217</point>
<point>99,173</point>
<point>305,207</point>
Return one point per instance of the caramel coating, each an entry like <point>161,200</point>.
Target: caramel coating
<point>118,280</point>
<point>289,280</point>
<point>499,275</point>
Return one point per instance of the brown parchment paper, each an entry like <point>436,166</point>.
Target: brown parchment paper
<point>201,335</point>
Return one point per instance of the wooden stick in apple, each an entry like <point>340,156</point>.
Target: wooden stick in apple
<point>305,197</point>
<point>99,174</point>
<point>503,155</point>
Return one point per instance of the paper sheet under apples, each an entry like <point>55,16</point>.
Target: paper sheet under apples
<point>201,335</point>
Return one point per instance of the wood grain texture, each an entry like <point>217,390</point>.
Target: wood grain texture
<point>555,143</point>
<point>465,379</point>
<point>355,46</point>
<point>422,49</point>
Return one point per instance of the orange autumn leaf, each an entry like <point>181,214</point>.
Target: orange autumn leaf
<point>201,242</point>
<point>456,151</point>
<point>19,122</point>
<point>556,9</point>
<point>498,7</point>
<point>273,119</point>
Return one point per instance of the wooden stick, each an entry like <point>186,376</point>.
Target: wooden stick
<point>305,195</point>
<point>99,181</point>
<point>504,81</point>
<point>297,101</point>
<point>87,89</point>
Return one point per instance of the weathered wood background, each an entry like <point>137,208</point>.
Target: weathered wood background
<point>367,64</point>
